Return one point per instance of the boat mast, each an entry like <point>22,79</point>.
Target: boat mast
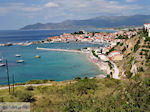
<point>13,80</point>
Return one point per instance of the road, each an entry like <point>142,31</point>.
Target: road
<point>6,87</point>
<point>116,71</point>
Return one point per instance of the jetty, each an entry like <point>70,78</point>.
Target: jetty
<point>64,50</point>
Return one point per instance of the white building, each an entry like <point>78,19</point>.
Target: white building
<point>103,57</point>
<point>115,56</point>
<point>147,26</point>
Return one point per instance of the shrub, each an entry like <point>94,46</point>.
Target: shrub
<point>136,47</point>
<point>83,86</point>
<point>121,44</point>
<point>73,106</point>
<point>147,82</point>
<point>30,88</point>
<point>1,99</point>
<point>128,74</point>
<point>77,78</point>
<point>94,53</point>
<point>124,49</point>
<point>141,69</point>
<point>24,96</point>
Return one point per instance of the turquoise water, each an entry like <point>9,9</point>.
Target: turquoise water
<point>52,65</point>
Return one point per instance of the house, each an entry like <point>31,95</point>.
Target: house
<point>115,56</point>
<point>105,50</point>
<point>103,57</point>
<point>98,51</point>
<point>147,26</point>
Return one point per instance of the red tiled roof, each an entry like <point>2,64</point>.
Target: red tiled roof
<point>146,23</point>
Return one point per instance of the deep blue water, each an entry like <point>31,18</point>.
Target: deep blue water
<point>52,65</point>
<point>23,36</point>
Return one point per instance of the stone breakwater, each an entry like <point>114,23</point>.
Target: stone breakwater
<point>63,50</point>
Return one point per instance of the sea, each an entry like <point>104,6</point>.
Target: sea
<point>52,65</point>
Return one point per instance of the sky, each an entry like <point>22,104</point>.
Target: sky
<point>15,14</point>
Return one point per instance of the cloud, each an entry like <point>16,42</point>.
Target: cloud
<point>131,0</point>
<point>51,4</point>
<point>59,10</point>
<point>31,9</point>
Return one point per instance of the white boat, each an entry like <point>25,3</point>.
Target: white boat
<point>37,56</point>
<point>20,61</point>
<point>2,64</point>
<point>18,55</point>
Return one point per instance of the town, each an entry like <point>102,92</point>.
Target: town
<point>104,57</point>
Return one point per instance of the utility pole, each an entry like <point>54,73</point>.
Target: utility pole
<point>7,75</point>
<point>13,81</point>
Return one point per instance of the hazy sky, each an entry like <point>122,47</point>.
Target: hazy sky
<point>17,13</point>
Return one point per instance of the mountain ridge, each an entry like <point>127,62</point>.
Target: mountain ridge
<point>97,22</point>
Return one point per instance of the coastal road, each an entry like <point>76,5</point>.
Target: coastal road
<point>6,87</point>
<point>35,85</point>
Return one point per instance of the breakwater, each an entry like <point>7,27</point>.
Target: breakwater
<point>64,50</point>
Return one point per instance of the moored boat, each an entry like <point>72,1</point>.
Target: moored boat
<point>2,64</point>
<point>20,61</point>
<point>1,60</point>
<point>37,56</point>
<point>18,55</point>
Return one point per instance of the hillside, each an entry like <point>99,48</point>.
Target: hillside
<point>85,95</point>
<point>97,22</point>
<point>136,51</point>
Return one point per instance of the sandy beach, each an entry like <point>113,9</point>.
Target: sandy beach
<point>102,66</point>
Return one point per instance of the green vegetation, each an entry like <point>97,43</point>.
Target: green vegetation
<point>94,53</point>
<point>113,49</point>
<point>128,74</point>
<point>137,46</point>
<point>124,49</point>
<point>122,37</point>
<point>24,96</point>
<point>86,95</point>
<point>38,81</point>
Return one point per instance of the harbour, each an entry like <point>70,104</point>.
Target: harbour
<point>53,65</point>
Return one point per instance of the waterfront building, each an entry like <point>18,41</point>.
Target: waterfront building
<point>103,57</point>
<point>115,56</point>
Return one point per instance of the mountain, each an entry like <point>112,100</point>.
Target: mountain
<point>97,22</point>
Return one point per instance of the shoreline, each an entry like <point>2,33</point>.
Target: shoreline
<point>100,65</point>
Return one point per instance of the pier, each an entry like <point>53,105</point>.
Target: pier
<point>64,50</point>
